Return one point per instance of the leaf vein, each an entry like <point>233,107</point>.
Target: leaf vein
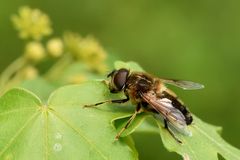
<point>193,153</point>
<point>10,142</point>
<point>219,145</point>
<point>46,135</point>
<point>79,133</point>
<point>16,110</point>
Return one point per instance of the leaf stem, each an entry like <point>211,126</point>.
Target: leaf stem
<point>54,72</point>
<point>10,71</point>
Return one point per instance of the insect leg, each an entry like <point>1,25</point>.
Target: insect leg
<point>108,101</point>
<point>171,133</point>
<point>129,121</point>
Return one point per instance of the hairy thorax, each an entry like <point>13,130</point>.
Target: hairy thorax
<point>138,82</point>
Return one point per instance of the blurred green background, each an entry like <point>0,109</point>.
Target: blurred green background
<point>192,40</point>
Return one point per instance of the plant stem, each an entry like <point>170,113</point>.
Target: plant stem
<point>54,72</point>
<point>10,71</point>
<point>16,79</point>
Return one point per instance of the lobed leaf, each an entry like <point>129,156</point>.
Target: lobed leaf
<point>61,129</point>
<point>206,143</point>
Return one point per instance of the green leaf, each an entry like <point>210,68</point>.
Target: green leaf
<point>20,127</point>
<point>61,129</point>
<point>75,73</point>
<point>120,122</point>
<point>40,87</point>
<point>205,144</point>
<point>133,66</point>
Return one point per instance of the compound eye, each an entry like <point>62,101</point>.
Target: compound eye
<point>120,78</point>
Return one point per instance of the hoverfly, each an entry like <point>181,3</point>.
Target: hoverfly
<point>150,94</point>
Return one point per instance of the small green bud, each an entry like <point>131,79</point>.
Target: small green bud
<point>55,47</point>
<point>30,72</point>
<point>34,51</point>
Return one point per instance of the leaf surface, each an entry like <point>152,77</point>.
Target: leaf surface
<point>205,143</point>
<point>61,129</point>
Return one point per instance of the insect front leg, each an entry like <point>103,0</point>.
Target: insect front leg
<point>138,109</point>
<point>108,101</point>
<point>171,133</point>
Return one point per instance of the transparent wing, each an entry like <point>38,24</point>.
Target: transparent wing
<point>187,85</point>
<point>164,107</point>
